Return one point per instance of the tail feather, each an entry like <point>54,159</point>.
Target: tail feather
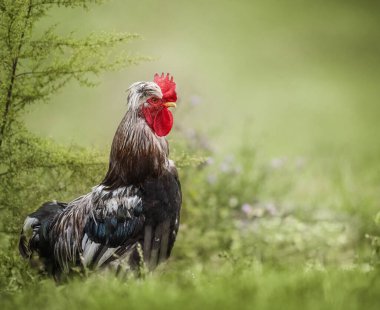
<point>26,235</point>
<point>35,226</point>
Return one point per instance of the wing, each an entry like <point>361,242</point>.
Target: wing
<point>114,226</point>
<point>126,217</point>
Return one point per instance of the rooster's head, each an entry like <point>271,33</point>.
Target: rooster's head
<point>152,100</point>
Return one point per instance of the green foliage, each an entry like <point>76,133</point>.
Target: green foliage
<point>226,213</point>
<point>375,243</point>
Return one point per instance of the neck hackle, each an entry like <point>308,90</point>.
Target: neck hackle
<point>136,153</point>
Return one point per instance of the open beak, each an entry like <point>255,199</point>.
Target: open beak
<point>170,105</point>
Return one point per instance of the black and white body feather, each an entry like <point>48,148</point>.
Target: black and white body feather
<point>134,212</point>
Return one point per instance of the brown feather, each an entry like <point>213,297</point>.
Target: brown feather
<point>136,153</point>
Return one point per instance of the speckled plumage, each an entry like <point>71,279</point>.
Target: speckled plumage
<point>136,206</point>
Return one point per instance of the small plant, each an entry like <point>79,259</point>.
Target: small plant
<point>375,244</point>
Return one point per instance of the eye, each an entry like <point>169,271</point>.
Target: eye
<point>153,100</point>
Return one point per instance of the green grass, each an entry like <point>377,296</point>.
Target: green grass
<point>244,286</point>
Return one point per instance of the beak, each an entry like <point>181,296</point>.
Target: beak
<point>170,105</point>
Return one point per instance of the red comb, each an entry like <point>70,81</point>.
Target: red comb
<point>167,86</point>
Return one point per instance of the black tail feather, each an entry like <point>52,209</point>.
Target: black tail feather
<point>34,225</point>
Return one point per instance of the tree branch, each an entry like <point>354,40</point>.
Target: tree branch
<point>8,100</point>
<point>50,72</point>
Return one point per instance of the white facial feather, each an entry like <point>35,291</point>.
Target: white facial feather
<point>29,222</point>
<point>139,92</point>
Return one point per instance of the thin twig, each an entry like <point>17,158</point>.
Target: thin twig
<point>50,72</point>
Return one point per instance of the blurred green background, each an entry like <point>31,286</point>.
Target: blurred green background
<point>290,77</point>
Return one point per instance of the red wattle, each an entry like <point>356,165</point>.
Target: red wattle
<point>160,121</point>
<point>163,122</point>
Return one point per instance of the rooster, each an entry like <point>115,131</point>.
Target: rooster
<point>133,215</point>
